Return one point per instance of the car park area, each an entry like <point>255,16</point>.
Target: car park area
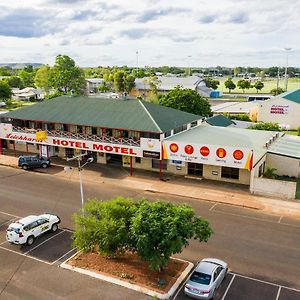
<point>49,248</point>
<point>239,287</point>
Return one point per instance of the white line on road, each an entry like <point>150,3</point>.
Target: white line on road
<point>22,254</point>
<point>280,219</point>
<point>277,297</point>
<point>229,285</point>
<point>213,206</point>
<point>267,282</point>
<point>44,242</point>
<point>255,218</point>
<point>3,242</point>
<point>9,221</point>
<point>2,212</point>
<point>63,256</point>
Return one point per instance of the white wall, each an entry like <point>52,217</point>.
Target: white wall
<point>274,188</point>
<point>291,118</point>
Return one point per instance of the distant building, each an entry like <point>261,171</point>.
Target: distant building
<point>238,108</point>
<point>283,109</point>
<point>27,94</point>
<point>92,84</point>
<point>168,83</point>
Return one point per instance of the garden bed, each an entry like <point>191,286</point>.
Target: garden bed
<point>132,269</point>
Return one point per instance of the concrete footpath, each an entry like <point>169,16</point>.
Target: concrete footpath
<point>218,192</point>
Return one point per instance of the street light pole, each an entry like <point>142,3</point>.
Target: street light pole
<point>89,160</point>
<point>286,67</point>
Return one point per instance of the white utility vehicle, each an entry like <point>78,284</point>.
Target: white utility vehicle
<point>26,230</point>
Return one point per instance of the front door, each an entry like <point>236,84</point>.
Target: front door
<point>195,169</point>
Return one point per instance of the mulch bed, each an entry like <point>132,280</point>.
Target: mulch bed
<point>130,268</point>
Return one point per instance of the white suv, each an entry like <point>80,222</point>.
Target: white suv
<point>27,229</point>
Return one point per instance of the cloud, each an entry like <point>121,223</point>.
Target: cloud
<point>25,24</point>
<point>135,33</point>
<point>207,19</point>
<point>238,18</point>
<point>153,14</point>
<point>84,15</point>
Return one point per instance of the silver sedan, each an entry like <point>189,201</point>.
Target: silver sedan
<point>206,278</point>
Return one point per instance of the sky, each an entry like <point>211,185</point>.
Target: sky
<point>196,33</point>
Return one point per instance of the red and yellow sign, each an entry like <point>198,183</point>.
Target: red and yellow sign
<point>174,147</point>
<point>218,155</point>
<point>221,152</point>
<point>189,149</point>
<point>238,154</point>
<point>204,151</point>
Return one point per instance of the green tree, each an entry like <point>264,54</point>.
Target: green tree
<point>27,77</point>
<point>243,84</point>
<point>212,83</point>
<point>103,88</point>
<point>298,131</point>
<point>105,226</point>
<point>15,82</point>
<point>42,78</point>
<point>119,81</point>
<point>129,83</point>
<point>258,86</point>
<point>66,76</point>
<point>5,90</point>
<point>229,84</point>
<point>161,229</point>
<point>153,82</point>
<point>186,100</point>
<point>266,126</point>
<point>277,91</point>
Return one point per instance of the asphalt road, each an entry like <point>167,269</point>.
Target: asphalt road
<point>254,244</point>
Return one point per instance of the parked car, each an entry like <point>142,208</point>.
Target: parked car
<point>33,161</point>
<point>2,104</point>
<point>206,278</point>
<point>27,229</point>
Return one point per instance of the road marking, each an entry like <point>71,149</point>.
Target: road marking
<point>2,212</point>
<point>52,237</point>
<point>279,289</point>
<point>229,285</point>
<point>280,219</point>
<point>267,282</point>
<point>182,285</point>
<point>4,242</point>
<point>9,221</point>
<point>67,230</point>
<point>255,218</point>
<point>213,206</point>
<point>22,254</point>
<point>63,256</point>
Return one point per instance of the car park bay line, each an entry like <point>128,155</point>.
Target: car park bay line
<point>2,212</point>
<point>229,285</point>
<point>63,256</point>
<point>266,282</point>
<point>9,221</point>
<point>278,293</point>
<point>22,254</point>
<point>44,242</point>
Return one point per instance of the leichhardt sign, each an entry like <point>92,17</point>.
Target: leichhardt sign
<point>6,132</point>
<point>236,157</point>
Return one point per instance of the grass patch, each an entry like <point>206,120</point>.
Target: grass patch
<point>291,132</point>
<point>293,83</point>
<point>298,189</point>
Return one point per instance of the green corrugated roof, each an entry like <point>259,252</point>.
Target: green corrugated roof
<point>130,114</point>
<point>287,146</point>
<point>219,120</point>
<point>292,96</point>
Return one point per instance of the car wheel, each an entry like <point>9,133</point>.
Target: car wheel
<point>44,166</point>
<point>30,240</point>
<point>54,227</point>
<point>25,167</point>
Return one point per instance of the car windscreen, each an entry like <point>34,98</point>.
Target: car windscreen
<point>200,278</point>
